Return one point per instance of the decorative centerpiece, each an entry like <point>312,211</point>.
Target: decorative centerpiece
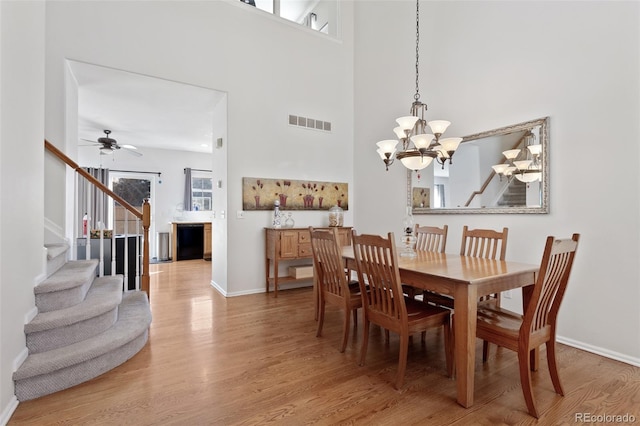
<point>336,216</point>
<point>408,244</point>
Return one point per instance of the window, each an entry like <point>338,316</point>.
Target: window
<point>201,191</point>
<point>134,191</point>
<point>438,195</point>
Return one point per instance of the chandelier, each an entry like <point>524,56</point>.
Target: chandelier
<point>418,147</point>
<point>527,169</point>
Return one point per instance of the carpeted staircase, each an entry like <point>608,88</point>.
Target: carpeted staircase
<point>85,326</point>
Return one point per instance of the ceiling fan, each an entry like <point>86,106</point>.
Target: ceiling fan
<point>110,145</point>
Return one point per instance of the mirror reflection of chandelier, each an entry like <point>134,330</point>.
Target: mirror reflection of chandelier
<point>418,147</point>
<point>526,170</point>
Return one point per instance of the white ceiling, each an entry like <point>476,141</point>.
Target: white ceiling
<point>143,111</point>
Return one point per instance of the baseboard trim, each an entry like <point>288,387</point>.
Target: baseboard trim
<point>599,351</point>
<point>22,356</point>
<point>8,411</point>
<point>281,287</point>
<point>217,287</point>
<point>30,315</point>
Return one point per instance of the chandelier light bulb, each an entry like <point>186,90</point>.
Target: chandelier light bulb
<point>422,141</point>
<point>535,149</point>
<point>399,132</point>
<point>407,122</point>
<point>388,145</point>
<point>450,144</point>
<point>511,154</point>
<point>417,162</point>
<point>522,165</point>
<point>439,126</point>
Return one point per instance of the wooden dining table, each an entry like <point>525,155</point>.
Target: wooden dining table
<point>465,279</point>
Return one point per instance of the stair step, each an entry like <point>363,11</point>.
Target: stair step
<point>56,257</point>
<point>54,250</point>
<point>58,369</point>
<point>99,311</point>
<point>67,287</point>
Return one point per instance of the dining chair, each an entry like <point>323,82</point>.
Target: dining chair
<point>431,239</point>
<point>334,287</point>
<point>481,243</point>
<point>524,333</point>
<point>384,303</point>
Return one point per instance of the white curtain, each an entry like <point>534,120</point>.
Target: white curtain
<point>188,198</point>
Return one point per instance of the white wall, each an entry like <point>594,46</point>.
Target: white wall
<point>269,67</point>
<point>21,179</point>
<point>489,64</point>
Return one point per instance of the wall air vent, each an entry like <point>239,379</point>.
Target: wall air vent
<point>309,123</point>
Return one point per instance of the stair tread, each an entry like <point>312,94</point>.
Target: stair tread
<point>134,318</point>
<point>104,295</point>
<point>73,274</point>
<point>54,250</point>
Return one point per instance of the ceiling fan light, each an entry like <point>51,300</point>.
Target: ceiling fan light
<point>106,150</point>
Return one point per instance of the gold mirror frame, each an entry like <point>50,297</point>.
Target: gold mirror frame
<point>544,187</point>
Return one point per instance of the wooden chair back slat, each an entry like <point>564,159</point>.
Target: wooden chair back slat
<point>376,261</point>
<point>552,282</point>
<point>328,263</point>
<point>485,243</point>
<point>431,238</point>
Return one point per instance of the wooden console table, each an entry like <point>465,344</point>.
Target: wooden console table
<point>284,244</point>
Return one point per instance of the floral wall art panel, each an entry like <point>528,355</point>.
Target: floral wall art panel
<point>261,193</point>
<point>421,197</point>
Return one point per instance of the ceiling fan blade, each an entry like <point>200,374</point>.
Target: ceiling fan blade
<point>90,141</point>
<point>131,151</point>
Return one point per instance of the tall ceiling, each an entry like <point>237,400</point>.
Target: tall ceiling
<point>143,111</point>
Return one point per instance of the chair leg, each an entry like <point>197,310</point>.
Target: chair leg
<point>320,313</point>
<point>402,359</point>
<point>525,381</point>
<point>365,341</point>
<point>485,351</point>
<point>345,332</point>
<point>553,367</point>
<point>386,336</point>
<point>355,317</point>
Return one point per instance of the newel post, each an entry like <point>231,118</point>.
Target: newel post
<point>146,223</point>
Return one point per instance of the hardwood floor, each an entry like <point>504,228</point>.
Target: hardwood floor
<point>255,360</point>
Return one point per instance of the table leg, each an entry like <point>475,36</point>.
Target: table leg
<point>464,325</point>
<point>267,272</point>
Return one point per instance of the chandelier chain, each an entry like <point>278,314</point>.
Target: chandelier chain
<point>417,95</point>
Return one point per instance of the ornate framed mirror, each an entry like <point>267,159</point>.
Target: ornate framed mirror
<point>502,170</point>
